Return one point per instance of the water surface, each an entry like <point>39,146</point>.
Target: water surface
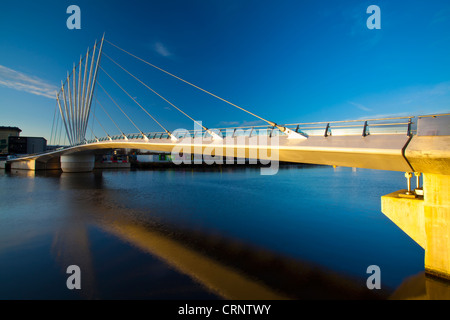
<point>202,233</point>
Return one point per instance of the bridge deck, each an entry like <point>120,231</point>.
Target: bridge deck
<point>390,145</point>
<point>383,152</point>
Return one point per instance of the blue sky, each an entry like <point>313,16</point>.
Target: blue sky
<point>287,61</point>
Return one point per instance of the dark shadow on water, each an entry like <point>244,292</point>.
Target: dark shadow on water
<point>226,267</point>
<point>422,287</point>
<point>218,167</point>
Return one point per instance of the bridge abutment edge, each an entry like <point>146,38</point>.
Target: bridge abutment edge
<point>426,220</point>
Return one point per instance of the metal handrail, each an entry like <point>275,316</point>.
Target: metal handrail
<point>364,123</point>
<point>343,121</point>
<point>434,115</point>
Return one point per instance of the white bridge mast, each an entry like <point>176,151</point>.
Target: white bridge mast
<point>76,104</point>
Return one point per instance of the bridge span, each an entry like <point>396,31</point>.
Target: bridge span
<point>383,152</point>
<point>418,146</point>
<point>397,147</point>
<point>423,213</point>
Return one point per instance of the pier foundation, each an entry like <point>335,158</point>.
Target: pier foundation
<point>426,219</point>
<point>78,163</point>
<point>34,165</point>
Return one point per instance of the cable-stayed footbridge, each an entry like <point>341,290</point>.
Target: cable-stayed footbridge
<point>416,145</point>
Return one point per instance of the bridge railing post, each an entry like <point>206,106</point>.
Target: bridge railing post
<point>365,129</point>
<point>327,129</point>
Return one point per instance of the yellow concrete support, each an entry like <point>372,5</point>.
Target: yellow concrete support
<point>34,165</point>
<point>407,214</point>
<point>426,220</point>
<point>24,165</point>
<point>437,226</point>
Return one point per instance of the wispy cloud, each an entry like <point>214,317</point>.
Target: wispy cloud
<point>241,123</point>
<point>162,49</point>
<point>252,123</point>
<point>417,100</point>
<point>19,81</point>
<point>228,123</point>
<point>387,115</point>
<point>442,15</point>
<point>360,106</point>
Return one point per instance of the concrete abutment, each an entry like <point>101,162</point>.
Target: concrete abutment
<point>426,220</point>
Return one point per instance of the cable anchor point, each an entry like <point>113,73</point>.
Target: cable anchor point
<point>290,133</point>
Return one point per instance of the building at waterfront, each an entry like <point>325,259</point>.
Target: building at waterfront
<point>26,145</point>
<point>5,133</point>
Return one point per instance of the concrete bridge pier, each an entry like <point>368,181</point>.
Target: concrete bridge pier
<point>426,219</point>
<point>77,162</point>
<point>35,165</point>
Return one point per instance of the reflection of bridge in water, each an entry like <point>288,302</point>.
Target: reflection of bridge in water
<point>412,145</point>
<point>227,268</point>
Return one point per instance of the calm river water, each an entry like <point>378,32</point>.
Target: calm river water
<point>202,233</point>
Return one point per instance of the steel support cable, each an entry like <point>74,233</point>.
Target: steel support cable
<point>100,125</point>
<point>65,116</point>
<point>57,127</point>
<point>60,128</point>
<point>58,135</point>
<point>83,94</point>
<point>74,97</point>
<point>88,89</point>
<point>71,111</point>
<point>61,112</point>
<point>70,116</point>
<point>91,128</point>
<point>53,124</point>
<point>95,118</point>
<point>134,100</point>
<point>69,132</point>
<point>83,89</point>
<point>109,117</point>
<point>93,133</point>
<point>184,113</point>
<point>79,102</point>
<point>193,85</point>
<point>94,81</point>
<point>120,108</point>
<point>93,114</point>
